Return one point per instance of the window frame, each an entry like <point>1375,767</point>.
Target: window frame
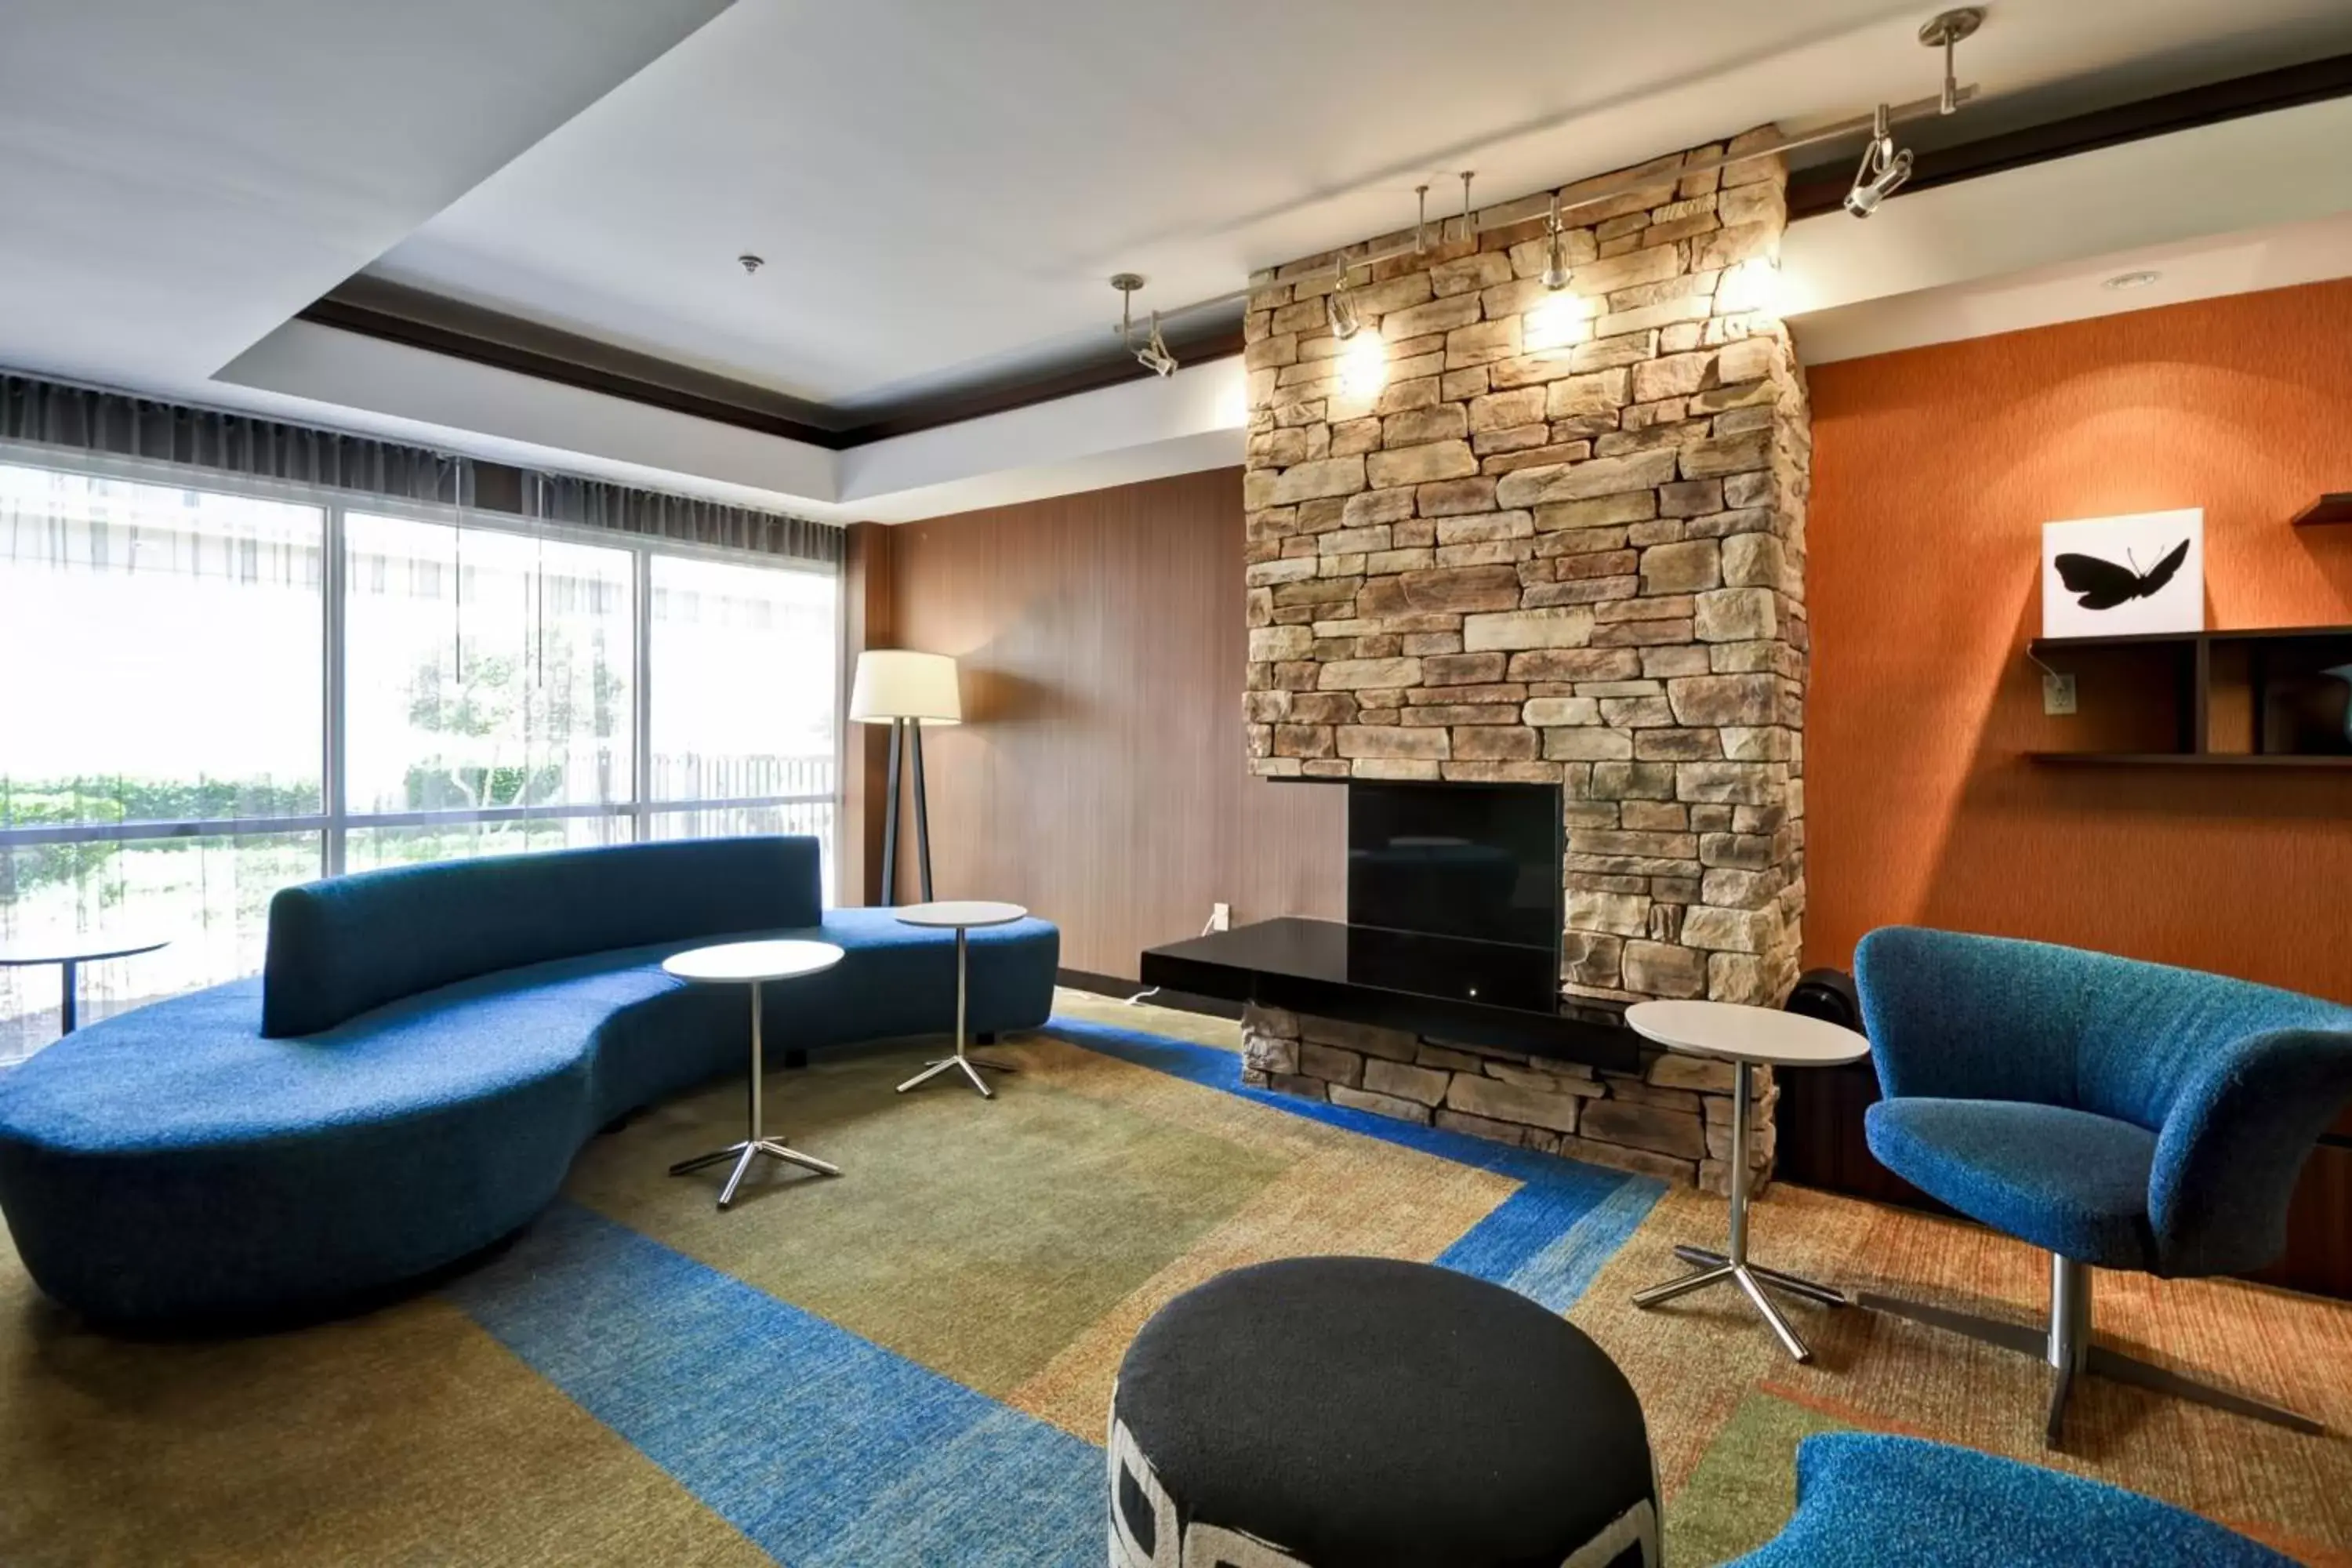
<point>333,824</point>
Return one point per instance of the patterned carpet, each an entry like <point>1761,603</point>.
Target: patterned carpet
<point>911,1365</point>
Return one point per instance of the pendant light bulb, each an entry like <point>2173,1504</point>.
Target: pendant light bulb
<point>1341,309</point>
<point>1555,274</point>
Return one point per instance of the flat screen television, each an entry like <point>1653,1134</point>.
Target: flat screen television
<point>1480,862</point>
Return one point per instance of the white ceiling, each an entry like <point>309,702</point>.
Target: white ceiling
<point>941,188</point>
<point>2277,256</point>
<point>176,178</point>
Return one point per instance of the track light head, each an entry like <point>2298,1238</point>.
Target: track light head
<point>1339,306</point>
<point>1154,355</point>
<point>1881,171</point>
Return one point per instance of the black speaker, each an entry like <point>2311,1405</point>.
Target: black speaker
<point>1827,995</point>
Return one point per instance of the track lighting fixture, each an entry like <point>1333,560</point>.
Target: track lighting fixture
<point>1555,273</point>
<point>1884,169</point>
<point>1154,355</point>
<point>1340,308</point>
<point>1882,172</point>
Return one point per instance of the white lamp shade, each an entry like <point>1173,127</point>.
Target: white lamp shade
<point>893,683</point>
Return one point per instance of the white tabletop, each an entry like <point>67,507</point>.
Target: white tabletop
<point>750,960</point>
<point>962,912</point>
<point>1740,1033</point>
<point>73,947</point>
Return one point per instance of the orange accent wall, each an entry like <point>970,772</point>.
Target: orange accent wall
<point>1933,472</point>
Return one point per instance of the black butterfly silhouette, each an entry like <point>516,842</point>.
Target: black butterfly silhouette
<point>2104,584</point>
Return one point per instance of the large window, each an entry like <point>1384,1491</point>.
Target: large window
<point>207,695</point>
<point>737,746</point>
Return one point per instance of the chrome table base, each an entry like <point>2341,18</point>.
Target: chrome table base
<point>1732,1267</point>
<point>2066,1345</point>
<point>757,1143</point>
<point>1795,1284</point>
<point>743,1154</point>
<point>970,1064</point>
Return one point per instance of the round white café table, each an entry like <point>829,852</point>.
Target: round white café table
<point>1744,1037</point>
<point>963,915</point>
<point>753,964</point>
<point>69,951</point>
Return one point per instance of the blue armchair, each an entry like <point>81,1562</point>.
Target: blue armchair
<point>2119,1114</point>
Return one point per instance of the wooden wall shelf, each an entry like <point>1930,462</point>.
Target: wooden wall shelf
<point>2327,509</point>
<point>2188,758</point>
<point>2251,698</point>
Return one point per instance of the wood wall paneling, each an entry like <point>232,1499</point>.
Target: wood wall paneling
<point>1101,779</point>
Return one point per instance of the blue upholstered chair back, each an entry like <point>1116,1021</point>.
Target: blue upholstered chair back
<point>2236,1079</point>
<point>341,946</point>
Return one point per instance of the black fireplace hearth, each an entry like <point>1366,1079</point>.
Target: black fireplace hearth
<point>1454,930</point>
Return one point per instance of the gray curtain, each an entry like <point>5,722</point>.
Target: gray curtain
<point>84,419</point>
<point>593,503</point>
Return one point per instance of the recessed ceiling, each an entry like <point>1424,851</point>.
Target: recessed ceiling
<point>940,189</point>
<point>178,179</point>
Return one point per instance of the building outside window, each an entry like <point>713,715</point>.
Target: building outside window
<point>209,691</point>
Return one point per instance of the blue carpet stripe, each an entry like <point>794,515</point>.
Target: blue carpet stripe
<point>822,1448</point>
<point>1557,1274</point>
<point>1547,1240</point>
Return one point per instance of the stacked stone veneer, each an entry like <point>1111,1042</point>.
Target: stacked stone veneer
<point>1671,1119</point>
<point>1561,541</point>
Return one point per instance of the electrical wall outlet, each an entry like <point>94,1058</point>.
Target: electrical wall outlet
<point>1220,917</point>
<point>2057,693</point>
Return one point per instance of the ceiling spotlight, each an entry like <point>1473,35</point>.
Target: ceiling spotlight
<point>1154,355</point>
<point>2131,279</point>
<point>1555,273</point>
<point>750,263</point>
<point>1882,172</point>
<point>1340,307</point>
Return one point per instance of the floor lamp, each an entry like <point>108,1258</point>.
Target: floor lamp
<point>904,691</point>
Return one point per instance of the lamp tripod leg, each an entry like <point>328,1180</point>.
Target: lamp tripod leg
<point>890,820</point>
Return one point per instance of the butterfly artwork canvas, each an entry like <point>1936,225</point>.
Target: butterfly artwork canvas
<point>2114,576</point>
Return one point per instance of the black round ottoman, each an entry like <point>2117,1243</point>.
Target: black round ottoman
<point>1366,1413</point>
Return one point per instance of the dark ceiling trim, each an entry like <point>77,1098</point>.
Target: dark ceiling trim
<point>1210,340</point>
<point>395,314</point>
<point>1812,192</point>
<point>371,320</point>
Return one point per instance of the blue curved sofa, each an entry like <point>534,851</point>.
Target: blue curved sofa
<point>425,1051</point>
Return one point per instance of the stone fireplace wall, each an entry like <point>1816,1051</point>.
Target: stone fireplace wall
<point>1505,533</point>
